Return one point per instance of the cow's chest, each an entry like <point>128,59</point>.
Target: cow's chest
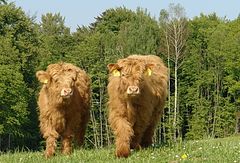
<point>58,121</point>
<point>139,114</point>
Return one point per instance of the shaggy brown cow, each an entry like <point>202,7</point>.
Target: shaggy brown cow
<point>64,105</point>
<point>137,92</point>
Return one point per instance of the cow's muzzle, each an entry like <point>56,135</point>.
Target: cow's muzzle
<point>66,92</point>
<point>133,90</point>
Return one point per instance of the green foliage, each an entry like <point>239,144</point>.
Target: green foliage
<point>207,98</point>
<point>56,41</point>
<point>14,97</point>
<point>111,20</point>
<point>126,32</point>
<point>18,59</point>
<point>140,36</point>
<point>53,24</point>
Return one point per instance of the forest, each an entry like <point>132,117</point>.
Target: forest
<point>202,54</point>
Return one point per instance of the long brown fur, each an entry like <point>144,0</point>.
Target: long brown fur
<point>133,118</point>
<point>67,117</point>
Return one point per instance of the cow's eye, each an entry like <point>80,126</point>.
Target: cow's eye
<point>74,78</point>
<point>123,74</point>
<point>55,80</point>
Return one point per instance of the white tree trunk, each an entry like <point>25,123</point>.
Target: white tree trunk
<point>175,103</point>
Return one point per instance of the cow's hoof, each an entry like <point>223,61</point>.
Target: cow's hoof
<point>123,152</point>
<point>67,151</point>
<point>48,153</point>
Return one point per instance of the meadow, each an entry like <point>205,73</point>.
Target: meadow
<point>207,150</point>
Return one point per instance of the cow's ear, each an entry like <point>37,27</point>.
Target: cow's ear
<point>114,69</point>
<point>148,70</point>
<point>43,76</point>
<point>111,66</point>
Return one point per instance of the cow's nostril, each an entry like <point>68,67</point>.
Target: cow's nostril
<point>136,89</point>
<point>70,92</point>
<point>66,92</point>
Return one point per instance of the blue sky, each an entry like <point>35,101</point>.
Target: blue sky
<point>79,12</point>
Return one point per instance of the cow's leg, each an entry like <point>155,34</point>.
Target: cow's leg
<point>67,144</point>
<point>50,135</point>
<point>82,129</point>
<point>123,133</point>
<point>136,139</point>
<point>142,119</point>
<point>139,128</point>
<point>80,134</point>
<point>67,137</point>
<point>50,146</point>
<point>50,143</point>
<point>149,132</point>
<point>147,137</point>
<point>135,143</point>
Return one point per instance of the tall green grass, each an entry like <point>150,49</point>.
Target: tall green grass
<point>209,150</point>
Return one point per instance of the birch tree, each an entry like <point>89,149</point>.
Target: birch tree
<point>174,24</point>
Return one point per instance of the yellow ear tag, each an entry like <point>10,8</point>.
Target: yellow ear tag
<point>45,81</point>
<point>149,72</point>
<point>116,73</point>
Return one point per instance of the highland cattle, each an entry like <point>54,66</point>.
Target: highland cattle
<point>137,92</point>
<point>64,105</point>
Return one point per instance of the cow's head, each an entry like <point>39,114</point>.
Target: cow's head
<point>132,75</point>
<point>59,80</point>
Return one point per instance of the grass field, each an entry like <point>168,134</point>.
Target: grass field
<point>209,150</point>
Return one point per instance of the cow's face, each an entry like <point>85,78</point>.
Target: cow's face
<point>59,81</point>
<point>132,75</point>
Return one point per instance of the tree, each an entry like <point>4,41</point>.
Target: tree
<point>57,41</point>
<point>18,59</point>
<point>111,20</point>
<point>174,25</point>
<point>197,75</point>
<point>207,97</point>
<point>13,106</point>
<point>53,24</point>
<point>140,36</point>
